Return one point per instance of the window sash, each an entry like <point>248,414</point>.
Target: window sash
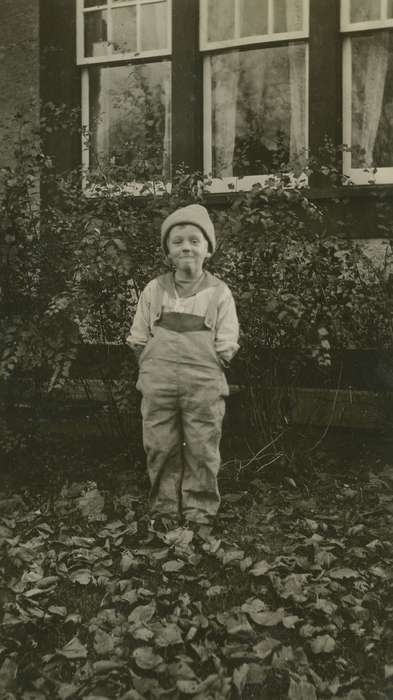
<point>348,26</point>
<point>359,176</point>
<point>246,182</point>
<point>110,57</point>
<point>270,37</point>
<point>133,187</point>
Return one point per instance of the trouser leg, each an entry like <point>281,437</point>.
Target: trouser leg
<point>202,424</point>
<point>162,437</point>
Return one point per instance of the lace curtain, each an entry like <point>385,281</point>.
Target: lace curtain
<point>370,61</point>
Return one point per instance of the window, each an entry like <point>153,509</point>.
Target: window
<point>124,48</point>
<point>367,26</point>
<point>139,96</point>
<point>255,88</point>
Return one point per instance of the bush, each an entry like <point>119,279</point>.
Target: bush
<point>72,267</point>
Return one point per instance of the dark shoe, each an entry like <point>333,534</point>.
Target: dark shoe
<point>163,523</point>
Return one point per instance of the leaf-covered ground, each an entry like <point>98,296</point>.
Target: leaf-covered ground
<point>288,596</point>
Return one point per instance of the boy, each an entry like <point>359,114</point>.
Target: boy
<point>184,332</point>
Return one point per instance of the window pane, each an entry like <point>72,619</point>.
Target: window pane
<point>365,10</point>
<point>220,20</point>
<point>124,30</point>
<point>288,16</point>
<point>130,120</point>
<point>94,3</point>
<point>253,17</point>
<point>372,100</point>
<point>390,9</point>
<point>154,26</point>
<point>96,34</point>
<point>258,109</point>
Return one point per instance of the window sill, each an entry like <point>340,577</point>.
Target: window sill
<point>219,196</point>
<point>134,190</point>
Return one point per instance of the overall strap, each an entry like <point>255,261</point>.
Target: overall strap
<point>211,312</point>
<point>157,295</point>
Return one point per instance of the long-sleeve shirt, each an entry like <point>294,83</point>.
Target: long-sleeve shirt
<point>192,300</point>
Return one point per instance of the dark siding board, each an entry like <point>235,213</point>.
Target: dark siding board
<point>367,369</point>
<point>325,83</point>
<point>60,76</point>
<point>187,95</point>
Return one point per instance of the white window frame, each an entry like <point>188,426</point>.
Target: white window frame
<point>132,188</point>
<point>348,26</point>
<point>244,183</point>
<point>119,56</point>
<point>270,37</point>
<point>358,176</point>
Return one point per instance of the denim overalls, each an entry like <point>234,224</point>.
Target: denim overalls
<point>183,385</point>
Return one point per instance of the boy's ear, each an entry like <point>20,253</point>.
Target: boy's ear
<point>208,254</point>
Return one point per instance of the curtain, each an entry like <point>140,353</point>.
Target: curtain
<point>224,83</point>
<point>297,76</point>
<point>374,86</point>
<point>157,28</point>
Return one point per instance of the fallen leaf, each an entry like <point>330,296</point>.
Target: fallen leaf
<point>343,573</point>
<point>166,634</point>
<point>324,558</point>
<point>264,648</point>
<point>260,568</point>
<point>91,505</point>
<point>66,690</point>
<point>128,561</point>
<point>293,587</point>
<point>81,576</point>
<point>173,566</point>
<point>323,644</point>
<point>103,643</point>
<point>188,687</point>
<point>106,665</point>
<point>289,621</point>
<point>73,650</point>
<point>181,670</point>
<point>245,563</point>
<point>142,614</point>
<point>58,610</point>
<point>8,671</point>
<point>181,537</point>
<point>240,678</point>
<point>388,671</point>
<point>146,658</point>
<point>253,605</point>
<point>327,606</point>
<point>269,618</point>
<point>239,626</point>
<point>232,555</point>
<point>301,690</point>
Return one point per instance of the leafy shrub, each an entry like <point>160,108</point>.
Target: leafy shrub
<point>72,267</point>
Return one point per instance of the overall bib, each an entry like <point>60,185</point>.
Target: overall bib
<point>183,385</point>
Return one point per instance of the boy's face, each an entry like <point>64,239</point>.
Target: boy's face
<point>187,248</point>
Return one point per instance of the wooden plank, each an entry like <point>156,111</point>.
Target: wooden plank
<point>324,75</point>
<point>187,108</point>
<point>59,75</point>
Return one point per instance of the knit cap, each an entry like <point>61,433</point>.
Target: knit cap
<point>194,214</point>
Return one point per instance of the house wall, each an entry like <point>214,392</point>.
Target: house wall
<point>19,69</point>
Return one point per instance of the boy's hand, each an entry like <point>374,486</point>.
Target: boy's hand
<point>137,350</point>
<point>223,362</point>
